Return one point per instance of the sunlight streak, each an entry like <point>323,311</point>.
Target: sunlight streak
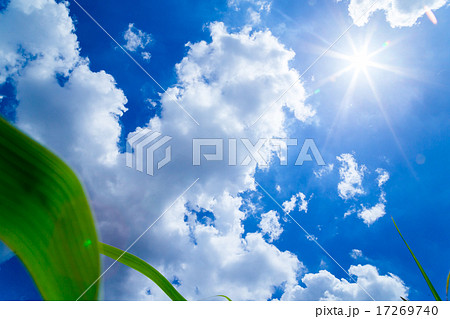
<point>343,106</point>
<point>388,123</point>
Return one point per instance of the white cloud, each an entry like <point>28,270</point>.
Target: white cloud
<point>350,186</point>
<point>255,17</point>
<point>136,39</point>
<point>372,214</point>
<point>324,171</point>
<point>350,168</point>
<point>289,205</point>
<point>270,225</point>
<point>146,56</point>
<point>350,212</point>
<point>36,36</point>
<point>383,176</point>
<point>254,9</point>
<point>223,84</point>
<point>298,200</point>
<point>399,13</point>
<point>260,5</point>
<point>351,177</point>
<point>325,286</point>
<point>356,253</point>
<point>312,237</point>
<point>303,204</point>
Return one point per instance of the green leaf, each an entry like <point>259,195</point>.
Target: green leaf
<point>430,285</point>
<point>144,268</point>
<point>448,280</point>
<point>45,218</point>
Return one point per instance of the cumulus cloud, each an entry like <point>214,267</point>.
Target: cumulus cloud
<point>399,13</point>
<point>270,225</point>
<point>136,39</point>
<point>224,84</point>
<point>325,286</point>
<point>351,175</point>
<point>37,36</point>
<point>372,214</point>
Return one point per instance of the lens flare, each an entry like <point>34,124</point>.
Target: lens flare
<point>430,15</point>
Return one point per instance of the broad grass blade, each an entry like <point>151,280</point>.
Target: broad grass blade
<point>45,218</point>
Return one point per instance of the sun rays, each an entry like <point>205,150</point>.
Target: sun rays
<point>359,62</point>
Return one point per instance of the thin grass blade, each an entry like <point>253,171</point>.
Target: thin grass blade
<point>430,285</point>
<point>223,296</point>
<point>144,268</point>
<point>448,280</point>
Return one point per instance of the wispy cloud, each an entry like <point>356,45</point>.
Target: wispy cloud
<point>351,175</point>
<point>298,200</point>
<point>372,214</point>
<point>356,253</point>
<point>324,171</point>
<point>136,39</point>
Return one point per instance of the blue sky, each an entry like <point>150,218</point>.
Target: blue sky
<point>399,125</point>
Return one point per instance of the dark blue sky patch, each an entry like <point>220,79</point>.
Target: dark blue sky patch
<point>62,79</point>
<point>8,101</point>
<point>16,283</point>
<point>3,5</point>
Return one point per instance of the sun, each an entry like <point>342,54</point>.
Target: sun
<point>360,61</point>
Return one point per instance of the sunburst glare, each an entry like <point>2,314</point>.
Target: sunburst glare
<point>360,61</point>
